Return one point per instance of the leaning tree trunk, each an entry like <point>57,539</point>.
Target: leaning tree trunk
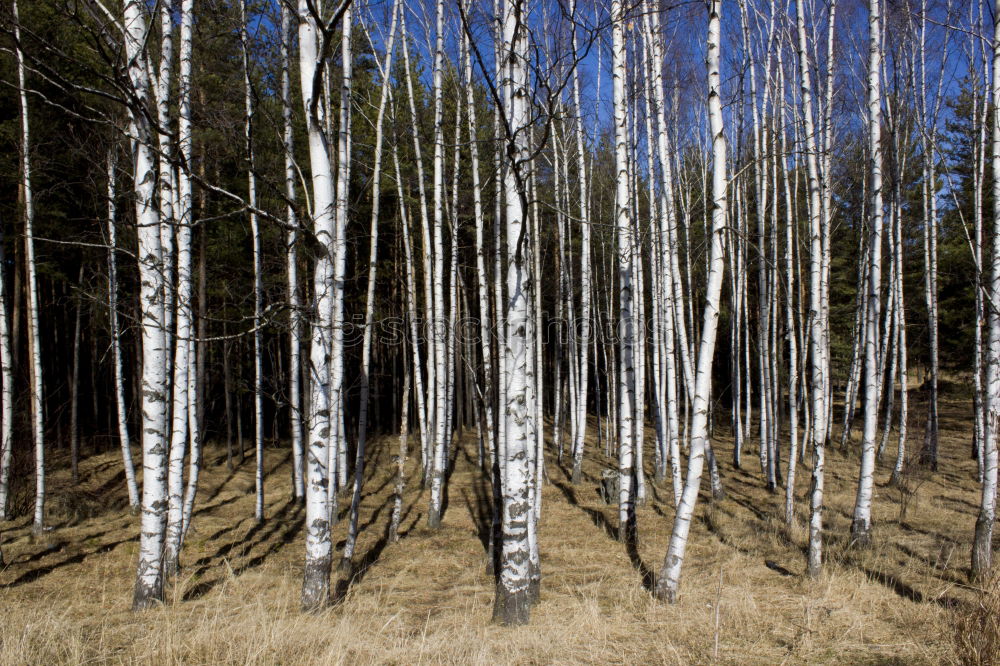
<point>116,347</point>
<point>668,583</point>
<point>366,349</point>
<point>667,254</point>
<point>485,322</point>
<point>34,350</point>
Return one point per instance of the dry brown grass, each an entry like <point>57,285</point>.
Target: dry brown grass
<point>428,598</point>
<point>977,627</point>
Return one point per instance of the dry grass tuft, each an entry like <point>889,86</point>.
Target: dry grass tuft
<point>976,629</point>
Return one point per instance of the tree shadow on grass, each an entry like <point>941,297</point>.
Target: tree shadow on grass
<point>596,516</point>
<point>906,591</point>
<point>245,542</point>
<point>481,517</point>
<point>360,568</point>
<point>613,532</point>
<point>284,525</point>
<point>647,574</point>
<point>34,574</point>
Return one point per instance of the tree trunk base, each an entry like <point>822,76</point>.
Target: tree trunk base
<point>577,476</point>
<point>345,567</point>
<point>982,554</point>
<point>511,608</point>
<point>814,565</point>
<point>534,590</point>
<point>895,479</point>
<point>434,518</point>
<point>665,591</point>
<point>171,565</point>
<point>610,485</point>
<point>492,552</point>
<point>147,596</point>
<point>316,585</point>
<point>534,583</point>
<point>861,534</point>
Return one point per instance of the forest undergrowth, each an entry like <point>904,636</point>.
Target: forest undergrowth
<point>427,599</point>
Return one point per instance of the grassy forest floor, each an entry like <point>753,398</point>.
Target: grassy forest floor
<point>427,599</point>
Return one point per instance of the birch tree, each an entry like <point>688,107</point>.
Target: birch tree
<point>366,345</point>
<point>121,410</point>
<point>668,582</point>
<point>817,298</point>
<point>861,525</point>
<point>258,268</point>
<point>625,250</point>
<point>155,387</point>
<point>292,261</point>
<point>512,604</point>
<point>982,548</point>
<point>34,344</point>
<point>314,37</point>
<point>439,332</point>
<point>583,346</point>
<point>183,413</point>
<point>7,392</point>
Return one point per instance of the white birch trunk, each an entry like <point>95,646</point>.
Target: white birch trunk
<point>439,333</point>
<point>411,302</point>
<point>166,184</point>
<point>7,390</point>
<point>668,583</point>
<point>155,385</point>
<point>292,263</point>
<point>793,349</point>
<point>982,555</point>
<point>485,331</point>
<point>366,345</point>
<point>667,257</point>
<point>583,346</point>
<point>183,367</point>
<point>121,407</point>
<point>861,524</point>
<point>817,338</point>
<point>338,440</point>
<point>513,597</point>
<point>34,351</point>
<point>316,578</point>
<point>428,430</point>
<point>626,303</point>
<point>258,284</point>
